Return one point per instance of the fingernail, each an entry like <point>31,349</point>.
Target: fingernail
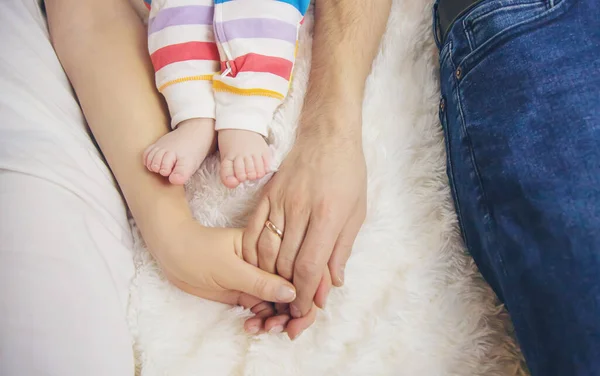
<point>276,329</point>
<point>341,276</point>
<point>296,313</point>
<point>285,294</point>
<point>253,330</point>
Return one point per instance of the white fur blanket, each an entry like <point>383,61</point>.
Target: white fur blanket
<point>413,303</point>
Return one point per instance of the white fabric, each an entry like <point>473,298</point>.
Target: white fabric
<point>189,100</point>
<point>413,304</point>
<point>65,242</point>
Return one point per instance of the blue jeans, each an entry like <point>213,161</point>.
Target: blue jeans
<point>520,108</point>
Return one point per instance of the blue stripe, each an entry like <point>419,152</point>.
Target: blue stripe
<point>300,5</point>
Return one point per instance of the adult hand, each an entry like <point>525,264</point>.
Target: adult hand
<point>318,200</point>
<point>206,262</point>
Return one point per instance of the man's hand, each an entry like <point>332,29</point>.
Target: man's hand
<point>318,200</point>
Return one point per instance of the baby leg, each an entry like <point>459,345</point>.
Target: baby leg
<point>257,44</point>
<point>185,58</point>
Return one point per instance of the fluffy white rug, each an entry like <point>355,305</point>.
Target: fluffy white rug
<point>413,304</point>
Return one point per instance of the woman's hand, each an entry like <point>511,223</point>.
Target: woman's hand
<point>207,262</point>
<point>318,200</point>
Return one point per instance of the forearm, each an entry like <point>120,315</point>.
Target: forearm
<point>102,46</point>
<point>346,39</point>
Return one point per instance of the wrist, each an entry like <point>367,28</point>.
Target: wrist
<point>336,120</point>
<point>159,221</point>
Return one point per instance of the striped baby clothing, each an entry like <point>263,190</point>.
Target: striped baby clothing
<point>231,60</point>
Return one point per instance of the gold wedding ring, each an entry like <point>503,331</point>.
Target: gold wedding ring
<point>274,229</point>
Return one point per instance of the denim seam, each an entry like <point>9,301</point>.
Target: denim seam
<point>450,169</point>
<point>558,9</point>
<point>485,203</point>
<point>477,17</point>
<point>468,34</point>
<point>469,22</point>
<point>445,52</point>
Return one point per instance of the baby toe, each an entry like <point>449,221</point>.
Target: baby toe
<point>259,166</point>
<point>239,168</point>
<point>146,155</point>
<point>267,160</point>
<point>228,174</point>
<point>168,162</point>
<point>157,160</point>
<point>149,156</point>
<point>250,170</point>
<point>182,172</point>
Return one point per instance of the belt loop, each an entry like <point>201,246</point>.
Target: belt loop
<point>436,26</point>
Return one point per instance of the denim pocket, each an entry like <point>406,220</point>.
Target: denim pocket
<point>493,23</point>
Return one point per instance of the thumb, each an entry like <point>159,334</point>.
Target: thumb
<point>256,282</point>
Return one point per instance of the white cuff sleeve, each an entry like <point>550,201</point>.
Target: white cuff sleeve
<point>190,99</point>
<point>245,112</point>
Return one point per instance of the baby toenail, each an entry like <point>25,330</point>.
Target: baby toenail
<point>253,330</point>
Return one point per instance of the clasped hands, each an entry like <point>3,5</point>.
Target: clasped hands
<point>304,226</point>
<point>317,201</point>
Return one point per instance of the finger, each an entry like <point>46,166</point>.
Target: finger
<point>310,263</point>
<point>253,231</point>
<point>268,249</point>
<point>343,246</point>
<point>226,297</point>
<point>277,324</point>
<point>296,224</point>
<point>244,277</point>
<point>249,301</point>
<point>269,242</point>
<point>262,311</point>
<point>256,324</point>
<point>296,327</point>
<point>323,290</point>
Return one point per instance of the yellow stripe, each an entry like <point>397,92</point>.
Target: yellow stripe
<point>223,87</point>
<point>204,77</point>
<point>293,66</point>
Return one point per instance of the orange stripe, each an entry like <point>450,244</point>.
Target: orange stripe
<point>183,52</point>
<point>261,63</point>
<point>223,87</point>
<point>204,77</point>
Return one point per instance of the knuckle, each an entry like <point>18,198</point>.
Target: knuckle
<point>324,209</point>
<point>307,269</point>
<point>267,248</point>
<point>285,267</point>
<point>298,207</point>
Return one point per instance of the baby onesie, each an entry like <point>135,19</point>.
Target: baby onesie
<point>230,60</point>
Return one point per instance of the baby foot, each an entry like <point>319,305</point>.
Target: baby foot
<point>245,155</point>
<point>179,153</point>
